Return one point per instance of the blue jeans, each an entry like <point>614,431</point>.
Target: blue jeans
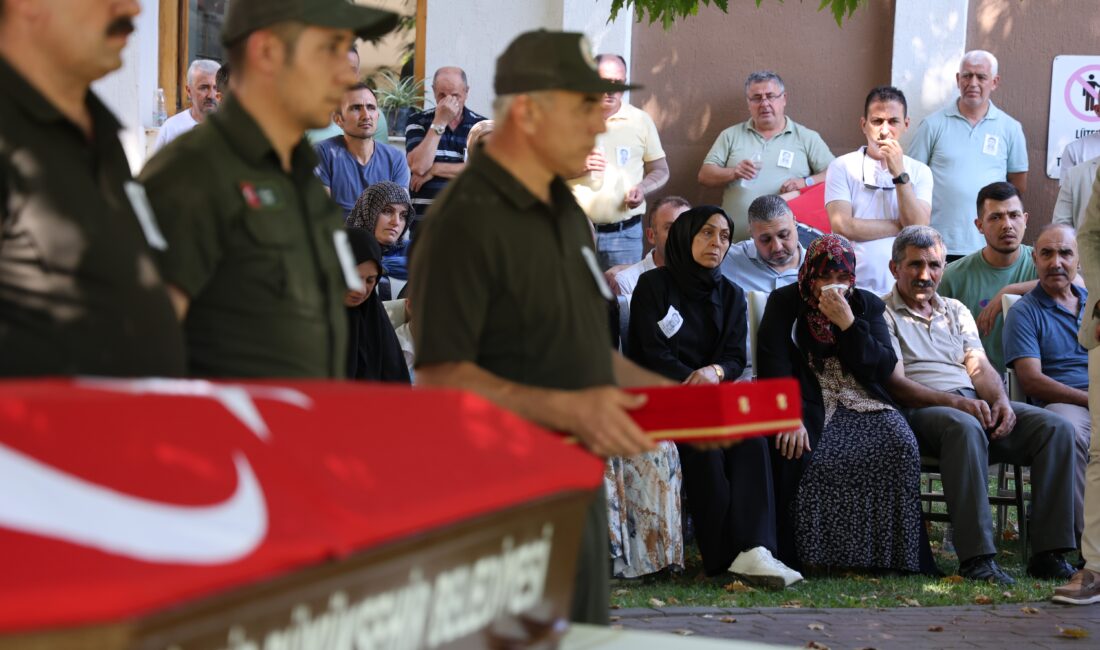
<point>621,247</point>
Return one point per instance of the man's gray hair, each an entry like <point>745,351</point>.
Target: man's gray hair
<point>206,66</point>
<point>768,207</point>
<point>921,237</point>
<point>980,56</point>
<point>760,76</point>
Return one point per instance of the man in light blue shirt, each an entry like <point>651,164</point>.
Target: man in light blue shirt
<point>771,258</point>
<point>969,144</point>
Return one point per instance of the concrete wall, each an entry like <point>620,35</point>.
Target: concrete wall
<point>694,75</point>
<point>1026,36</point>
<point>129,90</point>
<point>472,34</point>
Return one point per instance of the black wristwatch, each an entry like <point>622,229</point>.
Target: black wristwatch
<point>901,179</point>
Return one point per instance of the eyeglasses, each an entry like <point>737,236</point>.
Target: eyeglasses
<point>760,99</point>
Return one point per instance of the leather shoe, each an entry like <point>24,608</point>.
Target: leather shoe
<point>1049,565</point>
<point>985,569</point>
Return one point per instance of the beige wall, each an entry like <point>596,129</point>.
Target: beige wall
<point>1025,37</point>
<point>694,75</point>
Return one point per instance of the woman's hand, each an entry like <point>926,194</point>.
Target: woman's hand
<point>836,308</point>
<point>704,375</point>
<point>791,444</point>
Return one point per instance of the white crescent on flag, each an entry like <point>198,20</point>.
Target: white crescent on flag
<point>53,503</point>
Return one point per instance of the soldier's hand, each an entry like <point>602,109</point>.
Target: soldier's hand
<point>598,416</point>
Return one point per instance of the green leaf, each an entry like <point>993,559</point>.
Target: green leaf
<point>669,11</point>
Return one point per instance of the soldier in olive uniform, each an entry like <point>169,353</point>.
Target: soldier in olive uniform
<point>510,300</point>
<point>252,263</point>
<point>79,292</point>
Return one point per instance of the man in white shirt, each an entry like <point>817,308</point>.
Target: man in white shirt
<point>875,191</point>
<point>1076,190</point>
<point>624,278</point>
<point>202,92</point>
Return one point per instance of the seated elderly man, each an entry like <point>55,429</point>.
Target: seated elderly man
<point>956,404</point>
<point>1040,344</point>
<point>773,255</point>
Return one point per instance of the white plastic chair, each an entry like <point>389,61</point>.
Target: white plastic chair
<point>1012,383</point>
<point>757,301</point>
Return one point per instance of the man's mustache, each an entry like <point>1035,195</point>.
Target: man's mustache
<point>123,26</point>
<point>922,284</point>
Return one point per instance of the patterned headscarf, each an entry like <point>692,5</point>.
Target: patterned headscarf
<point>826,254</point>
<point>371,202</point>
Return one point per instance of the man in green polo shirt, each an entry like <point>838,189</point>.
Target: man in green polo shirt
<point>768,154</point>
<point>511,302</point>
<point>252,263</point>
<point>79,292</point>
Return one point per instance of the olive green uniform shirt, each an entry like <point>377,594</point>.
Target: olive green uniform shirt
<point>498,278</point>
<point>252,246</point>
<point>79,291</point>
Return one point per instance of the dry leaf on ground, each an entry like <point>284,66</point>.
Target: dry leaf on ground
<point>909,602</point>
<point>728,619</point>
<point>982,599</point>
<point>936,628</point>
<point>792,604</point>
<point>683,632</point>
<point>1006,594</point>
<point>817,646</point>
<point>738,586</point>
<point>1072,632</point>
<point>656,602</point>
<point>1029,610</point>
<point>954,580</point>
<point>620,592</point>
<point>816,626</point>
<point>673,600</point>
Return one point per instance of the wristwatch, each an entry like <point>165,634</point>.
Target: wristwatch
<point>809,180</point>
<point>901,179</point>
<point>439,128</point>
<point>718,371</point>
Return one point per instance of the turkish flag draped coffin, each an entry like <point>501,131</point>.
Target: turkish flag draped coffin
<point>119,498</point>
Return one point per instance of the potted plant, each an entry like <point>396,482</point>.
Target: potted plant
<point>397,98</point>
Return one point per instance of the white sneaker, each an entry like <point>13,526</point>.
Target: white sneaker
<point>758,567</point>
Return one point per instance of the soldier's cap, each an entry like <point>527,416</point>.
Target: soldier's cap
<point>544,60</point>
<point>247,16</point>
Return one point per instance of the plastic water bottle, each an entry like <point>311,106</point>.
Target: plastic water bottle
<point>160,109</point>
<point>756,160</point>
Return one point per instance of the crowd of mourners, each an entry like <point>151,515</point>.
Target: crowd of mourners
<point>879,276</point>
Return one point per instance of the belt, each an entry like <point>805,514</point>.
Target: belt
<point>619,226</point>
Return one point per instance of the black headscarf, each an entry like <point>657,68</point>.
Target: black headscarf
<point>695,281</point>
<point>374,353</point>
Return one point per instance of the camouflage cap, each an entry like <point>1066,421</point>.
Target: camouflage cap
<point>544,60</point>
<point>246,16</point>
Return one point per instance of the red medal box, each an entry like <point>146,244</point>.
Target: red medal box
<point>724,411</point>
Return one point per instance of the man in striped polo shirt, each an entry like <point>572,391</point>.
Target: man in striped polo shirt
<point>435,140</point>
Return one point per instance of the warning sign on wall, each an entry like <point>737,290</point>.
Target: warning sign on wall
<point>1074,104</point>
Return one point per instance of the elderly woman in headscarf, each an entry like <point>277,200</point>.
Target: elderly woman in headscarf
<point>689,323</point>
<point>848,481</point>
<point>374,353</point>
<point>384,210</point>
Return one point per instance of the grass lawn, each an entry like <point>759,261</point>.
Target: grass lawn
<point>692,589</point>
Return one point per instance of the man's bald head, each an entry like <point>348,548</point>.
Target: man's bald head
<point>451,72</point>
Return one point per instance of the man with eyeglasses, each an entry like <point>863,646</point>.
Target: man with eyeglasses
<point>626,165</point>
<point>767,154</point>
<point>969,144</point>
<point>876,190</point>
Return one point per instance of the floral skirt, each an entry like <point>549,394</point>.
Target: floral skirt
<point>643,499</point>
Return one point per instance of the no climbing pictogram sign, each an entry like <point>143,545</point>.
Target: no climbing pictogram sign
<point>1074,104</point>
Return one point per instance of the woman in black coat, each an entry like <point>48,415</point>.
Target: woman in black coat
<point>847,482</point>
<point>374,353</point>
<point>688,323</point>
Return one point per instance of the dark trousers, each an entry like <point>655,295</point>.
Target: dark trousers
<point>592,587</point>
<point>1042,440</point>
<point>729,494</point>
